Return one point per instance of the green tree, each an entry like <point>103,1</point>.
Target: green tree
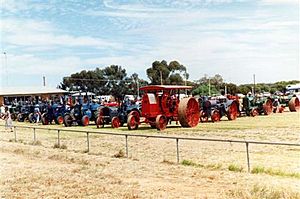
<point>164,73</point>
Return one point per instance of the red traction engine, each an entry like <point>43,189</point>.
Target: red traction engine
<point>161,104</point>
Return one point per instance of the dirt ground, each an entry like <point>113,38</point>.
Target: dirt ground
<point>39,170</point>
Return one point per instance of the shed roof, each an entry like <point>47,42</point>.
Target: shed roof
<point>23,91</point>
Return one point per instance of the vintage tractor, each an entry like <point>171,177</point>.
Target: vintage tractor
<point>54,112</point>
<point>257,106</point>
<point>80,114</point>
<point>217,108</point>
<point>161,104</point>
<point>35,116</point>
<point>24,112</point>
<point>116,115</point>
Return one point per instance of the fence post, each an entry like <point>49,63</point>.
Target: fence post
<point>58,139</point>
<point>248,160</point>
<point>88,141</point>
<point>126,145</point>
<point>177,149</point>
<point>15,132</point>
<point>34,136</point>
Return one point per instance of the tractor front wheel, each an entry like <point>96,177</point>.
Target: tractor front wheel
<point>132,122</point>
<point>59,120</point>
<point>85,120</point>
<point>203,116</point>
<point>44,119</point>
<point>232,112</point>
<point>215,116</point>
<point>115,122</point>
<point>254,112</point>
<point>161,122</point>
<point>268,107</point>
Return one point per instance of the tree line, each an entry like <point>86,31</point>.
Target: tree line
<point>115,81</point>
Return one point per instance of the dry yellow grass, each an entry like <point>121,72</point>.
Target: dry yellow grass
<point>40,171</point>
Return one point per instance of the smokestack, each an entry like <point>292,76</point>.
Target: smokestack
<point>44,81</point>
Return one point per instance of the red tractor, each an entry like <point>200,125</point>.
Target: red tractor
<point>161,104</point>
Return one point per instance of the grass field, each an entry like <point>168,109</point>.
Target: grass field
<point>206,169</point>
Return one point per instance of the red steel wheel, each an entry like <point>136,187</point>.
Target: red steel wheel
<point>161,122</point>
<point>268,107</point>
<point>115,122</point>
<point>232,112</point>
<point>215,116</point>
<point>132,122</point>
<point>85,120</point>
<point>281,109</point>
<point>100,122</point>
<point>294,104</point>
<point>203,116</point>
<point>254,112</point>
<point>188,112</point>
<point>59,120</point>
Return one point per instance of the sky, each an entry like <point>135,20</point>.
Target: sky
<point>233,38</point>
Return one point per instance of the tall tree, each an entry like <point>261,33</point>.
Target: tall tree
<point>164,73</point>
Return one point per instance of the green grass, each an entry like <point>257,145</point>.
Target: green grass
<point>208,166</point>
<point>274,172</point>
<point>235,168</point>
<point>262,191</point>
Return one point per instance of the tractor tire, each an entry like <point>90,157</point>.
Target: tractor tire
<point>115,122</point>
<point>254,112</point>
<point>85,120</point>
<point>31,118</point>
<point>132,122</point>
<point>161,122</point>
<point>59,120</point>
<point>215,116</point>
<point>20,118</point>
<point>100,122</point>
<point>188,112</point>
<point>203,116</point>
<point>268,107</point>
<point>233,111</point>
<point>68,120</point>
<point>44,119</point>
<point>294,104</point>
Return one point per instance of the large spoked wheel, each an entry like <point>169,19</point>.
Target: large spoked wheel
<point>132,122</point>
<point>59,120</point>
<point>203,116</point>
<point>215,116</point>
<point>268,107</point>
<point>85,120</point>
<point>254,112</point>
<point>45,120</point>
<point>13,116</point>
<point>68,120</point>
<point>100,122</point>
<point>294,104</point>
<point>188,112</point>
<point>161,122</point>
<point>232,112</point>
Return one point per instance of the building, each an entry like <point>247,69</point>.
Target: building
<point>7,95</point>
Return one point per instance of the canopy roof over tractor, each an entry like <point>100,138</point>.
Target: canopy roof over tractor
<point>25,91</point>
<point>164,87</point>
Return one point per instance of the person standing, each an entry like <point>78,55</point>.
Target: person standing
<point>8,120</point>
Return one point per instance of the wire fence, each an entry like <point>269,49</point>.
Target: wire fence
<point>126,135</point>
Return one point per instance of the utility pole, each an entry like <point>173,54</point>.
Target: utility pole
<point>254,85</point>
<point>44,81</point>
<point>209,87</point>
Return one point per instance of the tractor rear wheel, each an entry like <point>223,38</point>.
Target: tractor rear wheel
<point>85,120</point>
<point>232,112</point>
<point>100,122</point>
<point>268,107</point>
<point>215,116</point>
<point>294,104</point>
<point>132,122</point>
<point>68,120</point>
<point>188,112</point>
<point>161,122</point>
<point>44,119</point>
<point>115,122</point>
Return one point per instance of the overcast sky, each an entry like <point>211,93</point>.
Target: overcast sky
<point>235,39</point>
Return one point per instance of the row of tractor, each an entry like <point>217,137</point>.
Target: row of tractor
<point>159,106</point>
